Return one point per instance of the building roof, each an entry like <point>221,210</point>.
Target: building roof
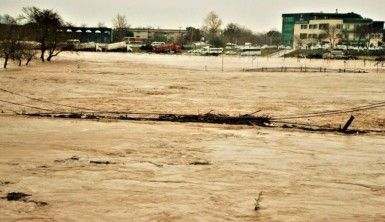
<point>357,20</point>
<point>321,15</point>
<point>157,30</point>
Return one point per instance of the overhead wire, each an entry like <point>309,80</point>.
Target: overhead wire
<point>273,119</point>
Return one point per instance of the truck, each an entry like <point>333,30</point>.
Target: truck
<point>118,46</point>
<point>250,51</point>
<point>167,48</point>
<point>211,51</point>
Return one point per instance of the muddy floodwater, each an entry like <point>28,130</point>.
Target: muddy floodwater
<point>114,170</point>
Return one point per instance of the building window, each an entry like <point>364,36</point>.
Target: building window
<point>339,26</point>
<point>303,26</point>
<point>323,26</point>
<point>323,36</point>
<point>312,36</point>
<point>315,26</point>
<point>303,36</point>
<point>347,26</point>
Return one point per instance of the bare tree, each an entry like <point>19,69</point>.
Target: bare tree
<point>55,45</point>
<point>299,41</point>
<point>121,27</point>
<point>333,34</point>
<point>119,22</point>
<point>45,23</point>
<point>363,31</point>
<point>10,37</point>
<point>29,52</point>
<point>212,24</point>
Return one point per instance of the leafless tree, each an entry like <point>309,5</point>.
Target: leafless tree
<point>363,31</point>
<point>212,24</point>
<point>119,22</point>
<point>56,45</point>
<point>121,27</point>
<point>29,52</point>
<point>9,38</point>
<point>46,24</point>
<point>333,34</point>
<point>299,41</point>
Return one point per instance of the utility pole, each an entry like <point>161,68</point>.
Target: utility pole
<point>222,61</point>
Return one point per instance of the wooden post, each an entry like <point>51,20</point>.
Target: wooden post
<point>347,124</point>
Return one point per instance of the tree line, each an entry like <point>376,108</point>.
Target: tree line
<point>232,33</point>
<point>37,31</point>
<point>211,31</point>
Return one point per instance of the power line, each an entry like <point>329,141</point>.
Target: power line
<point>44,101</point>
<point>302,116</point>
<point>20,104</point>
<point>332,112</point>
<point>84,109</point>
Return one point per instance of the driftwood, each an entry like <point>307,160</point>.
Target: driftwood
<point>199,118</point>
<point>218,118</point>
<point>303,69</point>
<point>248,119</point>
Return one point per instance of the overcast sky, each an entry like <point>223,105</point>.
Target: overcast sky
<point>258,15</point>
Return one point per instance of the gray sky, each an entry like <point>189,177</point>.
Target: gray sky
<point>258,15</point>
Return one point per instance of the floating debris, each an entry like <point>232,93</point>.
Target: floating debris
<point>16,196</point>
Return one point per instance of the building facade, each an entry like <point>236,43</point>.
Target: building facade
<point>88,34</point>
<point>169,35</point>
<point>330,28</point>
<point>83,34</point>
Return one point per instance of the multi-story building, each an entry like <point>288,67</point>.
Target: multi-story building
<point>152,34</point>
<point>330,28</point>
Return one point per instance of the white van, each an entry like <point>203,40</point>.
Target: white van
<point>211,51</point>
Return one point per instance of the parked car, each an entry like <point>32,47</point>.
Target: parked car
<point>154,44</point>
